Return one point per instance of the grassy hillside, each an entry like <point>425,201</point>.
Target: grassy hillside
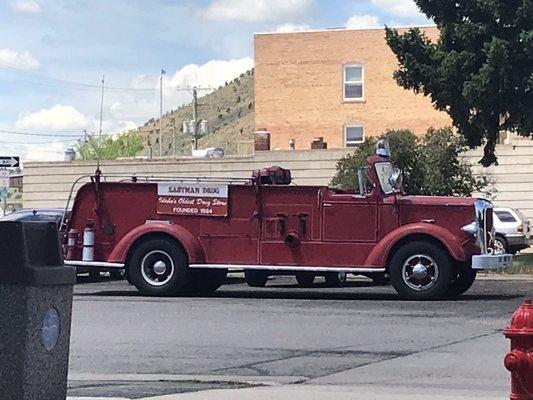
<point>229,114</point>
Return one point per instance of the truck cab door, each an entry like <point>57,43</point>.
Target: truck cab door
<point>349,218</point>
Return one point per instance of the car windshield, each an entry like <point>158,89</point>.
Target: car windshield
<point>384,171</point>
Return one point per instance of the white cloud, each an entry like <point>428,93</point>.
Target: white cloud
<point>18,60</point>
<point>289,27</point>
<point>45,152</point>
<point>26,6</point>
<point>56,118</point>
<point>211,74</point>
<point>363,22</point>
<point>257,10</point>
<point>401,8</point>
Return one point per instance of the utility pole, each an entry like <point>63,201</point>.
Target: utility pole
<point>161,112</point>
<point>100,129</point>
<point>173,120</point>
<point>195,117</point>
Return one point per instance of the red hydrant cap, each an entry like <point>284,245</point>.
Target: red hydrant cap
<point>521,321</point>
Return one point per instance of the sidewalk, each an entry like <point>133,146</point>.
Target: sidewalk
<point>324,392</point>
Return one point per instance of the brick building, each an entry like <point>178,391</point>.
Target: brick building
<point>333,83</point>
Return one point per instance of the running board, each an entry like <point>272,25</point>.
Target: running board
<point>95,264</point>
<point>291,268</point>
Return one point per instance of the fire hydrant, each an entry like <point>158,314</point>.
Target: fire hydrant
<point>519,361</point>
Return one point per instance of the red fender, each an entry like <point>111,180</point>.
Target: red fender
<point>378,256</point>
<point>191,245</point>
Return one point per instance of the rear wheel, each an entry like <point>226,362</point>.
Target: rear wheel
<point>159,267</point>
<point>94,274</point>
<point>421,271</point>
<point>464,280</point>
<point>256,278</point>
<point>335,279</point>
<point>205,281</point>
<point>305,279</point>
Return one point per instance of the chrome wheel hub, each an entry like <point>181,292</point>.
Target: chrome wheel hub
<point>157,268</point>
<point>420,272</point>
<point>160,267</point>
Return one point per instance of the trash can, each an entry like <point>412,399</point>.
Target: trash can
<point>35,312</point>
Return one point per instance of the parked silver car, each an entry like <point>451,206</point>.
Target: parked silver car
<point>513,230</point>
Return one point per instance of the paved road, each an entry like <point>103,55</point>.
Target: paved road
<point>122,343</point>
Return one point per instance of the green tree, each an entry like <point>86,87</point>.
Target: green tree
<point>480,71</point>
<point>109,148</point>
<point>432,165</point>
<point>446,172</point>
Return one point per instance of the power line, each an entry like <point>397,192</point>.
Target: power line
<point>46,142</point>
<point>40,134</point>
<point>92,87</point>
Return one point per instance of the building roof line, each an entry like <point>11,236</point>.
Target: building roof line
<point>342,30</point>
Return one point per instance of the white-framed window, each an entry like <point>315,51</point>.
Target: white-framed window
<point>354,134</point>
<point>353,82</point>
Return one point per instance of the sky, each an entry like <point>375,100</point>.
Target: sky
<point>54,53</point>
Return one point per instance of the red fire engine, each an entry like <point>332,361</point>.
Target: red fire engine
<point>177,236</point>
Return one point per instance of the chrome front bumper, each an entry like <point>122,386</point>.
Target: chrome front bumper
<point>492,261</point>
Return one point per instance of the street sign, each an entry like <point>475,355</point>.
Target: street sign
<point>4,178</point>
<point>4,194</point>
<point>9,161</point>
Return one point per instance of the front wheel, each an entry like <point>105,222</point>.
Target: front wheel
<point>159,267</point>
<point>421,271</point>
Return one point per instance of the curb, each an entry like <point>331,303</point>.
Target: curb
<point>232,379</point>
<point>505,277</point>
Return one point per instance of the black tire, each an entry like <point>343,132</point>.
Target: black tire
<point>305,279</point>
<point>117,273</point>
<point>380,279</point>
<point>94,274</point>
<point>206,281</point>
<point>462,282</point>
<point>335,279</point>
<point>256,278</point>
<point>173,279</point>
<point>500,243</point>
<point>421,271</point>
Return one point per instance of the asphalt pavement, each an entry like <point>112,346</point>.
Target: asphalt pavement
<point>283,341</point>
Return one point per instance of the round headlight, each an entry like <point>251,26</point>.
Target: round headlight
<point>471,228</point>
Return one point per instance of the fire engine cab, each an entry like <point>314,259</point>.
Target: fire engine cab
<point>176,236</point>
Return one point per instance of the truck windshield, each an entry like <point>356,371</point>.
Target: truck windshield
<point>384,171</point>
